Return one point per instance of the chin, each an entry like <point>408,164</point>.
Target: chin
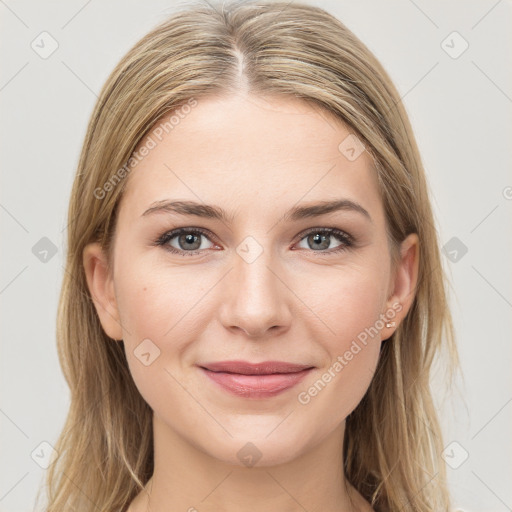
<point>257,448</point>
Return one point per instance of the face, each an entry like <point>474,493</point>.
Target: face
<point>271,280</point>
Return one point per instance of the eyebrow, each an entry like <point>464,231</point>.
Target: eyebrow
<point>216,212</point>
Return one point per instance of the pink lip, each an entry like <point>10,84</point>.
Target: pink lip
<point>262,380</point>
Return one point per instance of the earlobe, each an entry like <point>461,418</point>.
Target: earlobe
<point>405,280</point>
<point>101,288</point>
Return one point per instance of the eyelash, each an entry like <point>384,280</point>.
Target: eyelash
<point>346,239</point>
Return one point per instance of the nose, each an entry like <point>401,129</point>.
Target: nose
<point>256,298</point>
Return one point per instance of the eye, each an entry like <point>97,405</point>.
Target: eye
<point>187,241</point>
<point>319,239</point>
<point>183,241</point>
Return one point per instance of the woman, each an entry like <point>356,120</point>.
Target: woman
<point>254,293</point>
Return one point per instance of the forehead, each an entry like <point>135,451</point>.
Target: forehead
<point>244,151</point>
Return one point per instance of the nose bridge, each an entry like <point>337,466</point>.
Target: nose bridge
<point>256,298</point>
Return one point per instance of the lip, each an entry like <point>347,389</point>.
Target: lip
<point>260,380</point>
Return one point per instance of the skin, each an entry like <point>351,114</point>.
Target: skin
<point>256,158</point>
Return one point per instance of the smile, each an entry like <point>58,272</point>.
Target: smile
<point>263,380</point>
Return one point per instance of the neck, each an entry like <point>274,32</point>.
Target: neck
<point>188,479</point>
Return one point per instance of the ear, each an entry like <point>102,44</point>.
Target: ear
<point>402,284</point>
<point>101,287</point>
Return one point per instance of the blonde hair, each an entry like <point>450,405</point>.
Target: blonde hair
<point>393,441</point>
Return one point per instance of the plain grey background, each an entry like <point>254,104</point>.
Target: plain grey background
<point>451,63</point>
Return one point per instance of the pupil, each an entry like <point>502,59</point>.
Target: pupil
<point>190,239</point>
<point>319,239</point>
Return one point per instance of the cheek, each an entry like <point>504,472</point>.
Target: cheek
<point>159,313</point>
<point>336,390</point>
<point>350,307</point>
<point>155,302</point>
<point>352,357</point>
<point>348,301</point>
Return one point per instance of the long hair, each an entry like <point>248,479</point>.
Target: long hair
<point>393,441</point>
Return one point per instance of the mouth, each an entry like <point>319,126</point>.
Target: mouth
<point>260,380</point>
